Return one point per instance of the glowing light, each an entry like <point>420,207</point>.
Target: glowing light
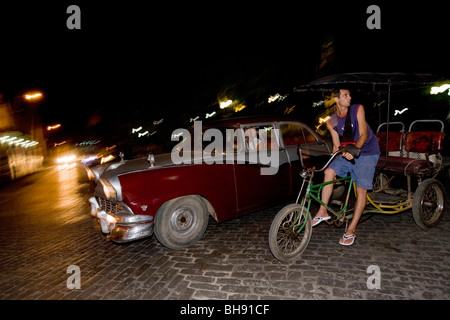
<point>134,130</point>
<point>56,126</point>
<point>289,110</point>
<point>225,104</point>
<point>143,134</point>
<point>194,119</point>
<point>323,120</point>
<point>107,159</point>
<point>397,112</point>
<point>155,123</point>
<point>18,142</point>
<point>59,143</point>
<point>436,90</point>
<point>66,159</point>
<point>88,159</point>
<point>316,104</point>
<point>88,143</point>
<point>209,115</point>
<point>276,97</point>
<point>111,219</point>
<point>27,144</point>
<point>33,96</point>
<point>176,135</point>
<point>239,108</point>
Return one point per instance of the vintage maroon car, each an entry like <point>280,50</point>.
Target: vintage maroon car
<point>158,194</point>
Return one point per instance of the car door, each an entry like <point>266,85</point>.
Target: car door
<point>263,177</point>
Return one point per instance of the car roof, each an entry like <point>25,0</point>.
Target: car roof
<point>249,119</point>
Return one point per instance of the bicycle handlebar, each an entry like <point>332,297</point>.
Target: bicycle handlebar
<point>333,156</point>
<point>350,148</point>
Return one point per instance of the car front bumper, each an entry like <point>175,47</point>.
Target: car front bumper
<point>122,226</point>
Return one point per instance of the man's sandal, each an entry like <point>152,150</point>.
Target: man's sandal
<point>318,220</point>
<point>345,238</point>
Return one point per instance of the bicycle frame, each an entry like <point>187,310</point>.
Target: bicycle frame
<point>313,192</point>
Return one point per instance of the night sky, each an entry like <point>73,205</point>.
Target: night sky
<point>145,59</point>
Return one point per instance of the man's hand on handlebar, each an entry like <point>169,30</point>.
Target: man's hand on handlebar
<point>348,156</point>
<point>350,151</point>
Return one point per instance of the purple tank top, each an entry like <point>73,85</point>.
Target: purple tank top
<point>371,146</point>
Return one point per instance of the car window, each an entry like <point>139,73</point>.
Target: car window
<point>259,137</point>
<point>295,133</point>
<point>229,139</point>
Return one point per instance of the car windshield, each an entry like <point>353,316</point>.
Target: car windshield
<point>227,139</point>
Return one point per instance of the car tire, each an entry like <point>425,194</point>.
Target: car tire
<point>181,222</point>
<point>429,203</point>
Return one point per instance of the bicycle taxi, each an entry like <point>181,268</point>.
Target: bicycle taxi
<point>407,175</point>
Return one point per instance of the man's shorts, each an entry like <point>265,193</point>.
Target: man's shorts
<point>362,171</point>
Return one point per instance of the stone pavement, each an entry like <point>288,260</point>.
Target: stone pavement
<point>231,262</point>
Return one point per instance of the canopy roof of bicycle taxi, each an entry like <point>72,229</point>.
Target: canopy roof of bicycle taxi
<point>378,84</point>
<point>374,81</point>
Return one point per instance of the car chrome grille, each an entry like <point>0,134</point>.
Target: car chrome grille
<point>108,206</point>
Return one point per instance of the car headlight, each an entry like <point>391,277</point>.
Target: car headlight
<point>96,172</point>
<point>111,219</point>
<point>66,159</point>
<point>108,189</point>
<point>90,174</point>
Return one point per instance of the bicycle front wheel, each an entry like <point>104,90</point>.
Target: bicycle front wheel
<point>290,232</point>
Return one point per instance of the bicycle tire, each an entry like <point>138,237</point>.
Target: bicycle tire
<point>286,242</point>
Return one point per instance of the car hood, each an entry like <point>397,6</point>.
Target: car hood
<point>140,164</point>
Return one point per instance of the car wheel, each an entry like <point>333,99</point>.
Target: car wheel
<point>428,203</point>
<point>181,222</point>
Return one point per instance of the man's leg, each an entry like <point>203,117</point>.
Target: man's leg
<point>364,171</point>
<point>327,191</point>
<point>359,208</point>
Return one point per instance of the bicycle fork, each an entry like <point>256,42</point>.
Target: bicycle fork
<point>298,219</point>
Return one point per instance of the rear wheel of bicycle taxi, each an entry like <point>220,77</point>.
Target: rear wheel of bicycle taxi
<point>428,204</point>
<point>290,232</point>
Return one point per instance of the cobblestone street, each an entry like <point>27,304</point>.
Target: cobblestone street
<point>43,233</point>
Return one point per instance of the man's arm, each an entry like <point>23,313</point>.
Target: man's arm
<point>362,124</point>
<point>334,137</point>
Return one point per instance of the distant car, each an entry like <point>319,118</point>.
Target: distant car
<point>156,194</point>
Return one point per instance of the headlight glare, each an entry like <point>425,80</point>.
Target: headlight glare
<point>108,189</point>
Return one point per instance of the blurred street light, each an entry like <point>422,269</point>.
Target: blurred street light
<point>441,89</point>
<point>56,126</point>
<point>225,104</point>
<point>36,129</point>
<point>33,96</point>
